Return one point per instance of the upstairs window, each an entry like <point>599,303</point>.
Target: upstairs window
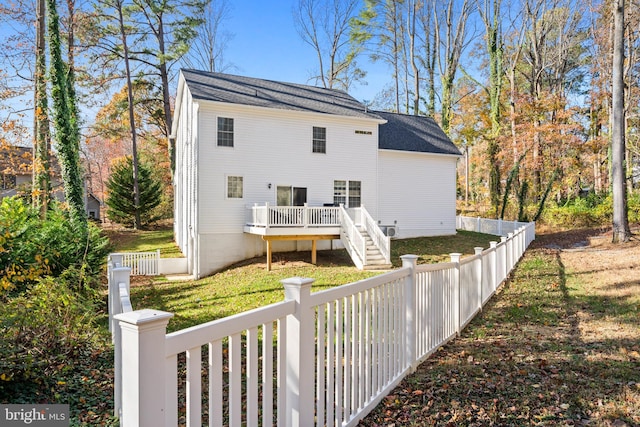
<point>225,132</point>
<point>234,187</point>
<point>319,140</point>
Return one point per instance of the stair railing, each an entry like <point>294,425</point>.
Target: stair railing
<point>353,241</point>
<point>382,242</point>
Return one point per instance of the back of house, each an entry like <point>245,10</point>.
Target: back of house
<point>243,142</point>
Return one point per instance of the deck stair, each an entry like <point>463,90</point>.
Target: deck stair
<point>375,258</point>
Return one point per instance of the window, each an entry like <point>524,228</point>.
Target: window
<point>339,193</point>
<point>225,132</point>
<point>319,140</point>
<point>234,187</point>
<point>348,193</point>
<point>7,182</point>
<point>354,194</point>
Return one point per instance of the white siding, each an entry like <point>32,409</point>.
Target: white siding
<point>418,192</point>
<point>272,147</point>
<point>185,184</point>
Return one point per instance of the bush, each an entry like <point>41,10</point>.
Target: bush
<point>42,332</point>
<point>576,213</point>
<point>31,248</point>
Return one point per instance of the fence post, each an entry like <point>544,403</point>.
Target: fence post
<point>494,265</point>
<point>118,275</point>
<point>300,353</point>
<point>410,261</point>
<point>478,252</point>
<point>479,225</point>
<point>510,257</point>
<point>116,260</point>
<point>143,367</point>
<point>455,258</point>
<point>505,268</point>
<point>499,226</point>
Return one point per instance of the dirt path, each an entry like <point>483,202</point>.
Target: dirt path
<point>558,346</point>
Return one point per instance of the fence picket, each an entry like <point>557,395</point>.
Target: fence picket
<point>364,337</point>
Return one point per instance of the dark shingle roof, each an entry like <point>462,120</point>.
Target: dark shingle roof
<point>413,133</point>
<point>220,87</point>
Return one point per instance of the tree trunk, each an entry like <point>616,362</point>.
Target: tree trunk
<point>42,145</point>
<point>132,120</point>
<point>621,231</point>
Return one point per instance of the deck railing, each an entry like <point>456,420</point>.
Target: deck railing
<point>292,216</point>
<point>324,358</point>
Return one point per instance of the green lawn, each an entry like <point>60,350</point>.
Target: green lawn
<point>128,240</point>
<point>249,285</point>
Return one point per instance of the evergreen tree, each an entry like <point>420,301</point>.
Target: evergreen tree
<point>120,201</point>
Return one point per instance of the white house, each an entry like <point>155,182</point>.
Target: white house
<point>266,166</point>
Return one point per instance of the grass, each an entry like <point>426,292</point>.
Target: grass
<point>559,345</point>
<point>129,240</point>
<point>248,285</point>
<point>433,250</point>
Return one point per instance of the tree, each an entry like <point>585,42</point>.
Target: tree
<point>209,45</point>
<point>490,14</point>
<point>121,205</point>
<point>325,25</point>
<point>451,37</point>
<point>621,231</point>
<point>41,190</point>
<point>384,22</point>
<point>67,132</point>
<point>122,29</point>
<point>171,27</point>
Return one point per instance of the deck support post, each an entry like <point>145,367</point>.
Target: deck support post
<point>314,244</point>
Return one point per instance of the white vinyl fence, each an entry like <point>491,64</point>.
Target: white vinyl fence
<point>141,263</point>
<point>314,359</point>
<point>119,281</point>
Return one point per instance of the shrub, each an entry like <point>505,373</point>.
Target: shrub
<point>42,332</point>
<point>31,248</point>
<point>589,211</point>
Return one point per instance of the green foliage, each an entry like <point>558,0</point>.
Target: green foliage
<point>120,200</point>
<point>31,248</point>
<point>49,317</point>
<point>592,210</point>
<point>52,351</point>
<point>67,131</point>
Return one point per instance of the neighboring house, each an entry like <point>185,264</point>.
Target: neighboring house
<point>16,177</point>
<point>265,166</point>
<point>93,205</point>
<point>15,169</point>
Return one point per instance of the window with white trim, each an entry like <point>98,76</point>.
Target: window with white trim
<point>319,144</point>
<point>234,187</point>
<point>225,132</point>
<point>348,193</point>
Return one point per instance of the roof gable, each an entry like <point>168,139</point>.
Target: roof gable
<point>219,87</point>
<point>421,134</point>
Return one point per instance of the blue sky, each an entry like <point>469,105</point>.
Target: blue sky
<point>266,45</point>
